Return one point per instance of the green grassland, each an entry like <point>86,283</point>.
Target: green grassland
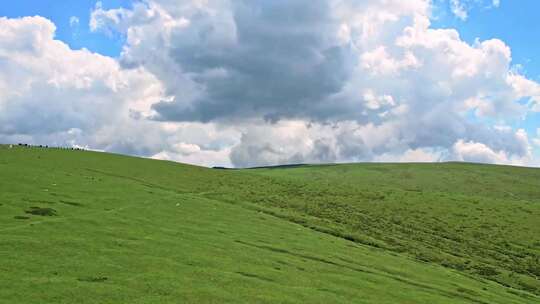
<point>88,227</point>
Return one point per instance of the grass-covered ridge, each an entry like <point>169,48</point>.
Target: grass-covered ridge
<point>100,228</point>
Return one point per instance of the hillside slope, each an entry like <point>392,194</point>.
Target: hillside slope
<point>92,227</point>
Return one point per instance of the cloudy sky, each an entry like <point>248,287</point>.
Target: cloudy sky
<point>258,82</point>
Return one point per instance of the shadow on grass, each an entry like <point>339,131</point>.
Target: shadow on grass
<point>71,203</point>
<point>41,211</point>
<point>21,217</point>
<point>93,279</point>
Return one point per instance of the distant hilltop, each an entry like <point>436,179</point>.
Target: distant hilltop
<point>44,146</point>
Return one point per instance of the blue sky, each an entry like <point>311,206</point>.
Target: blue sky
<point>60,12</point>
<point>514,22</point>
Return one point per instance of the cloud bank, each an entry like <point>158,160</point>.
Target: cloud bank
<point>251,83</point>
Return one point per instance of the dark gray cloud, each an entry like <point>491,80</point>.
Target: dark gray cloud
<point>279,59</point>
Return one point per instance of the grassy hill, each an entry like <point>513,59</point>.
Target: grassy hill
<point>87,227</point>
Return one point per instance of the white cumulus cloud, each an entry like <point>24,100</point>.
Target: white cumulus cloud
<point>74,21</point>
<point>537,139</point>
<point>458,9</point>
<point>250,83</point>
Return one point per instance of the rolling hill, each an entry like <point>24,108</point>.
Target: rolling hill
<point>89,227</point>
